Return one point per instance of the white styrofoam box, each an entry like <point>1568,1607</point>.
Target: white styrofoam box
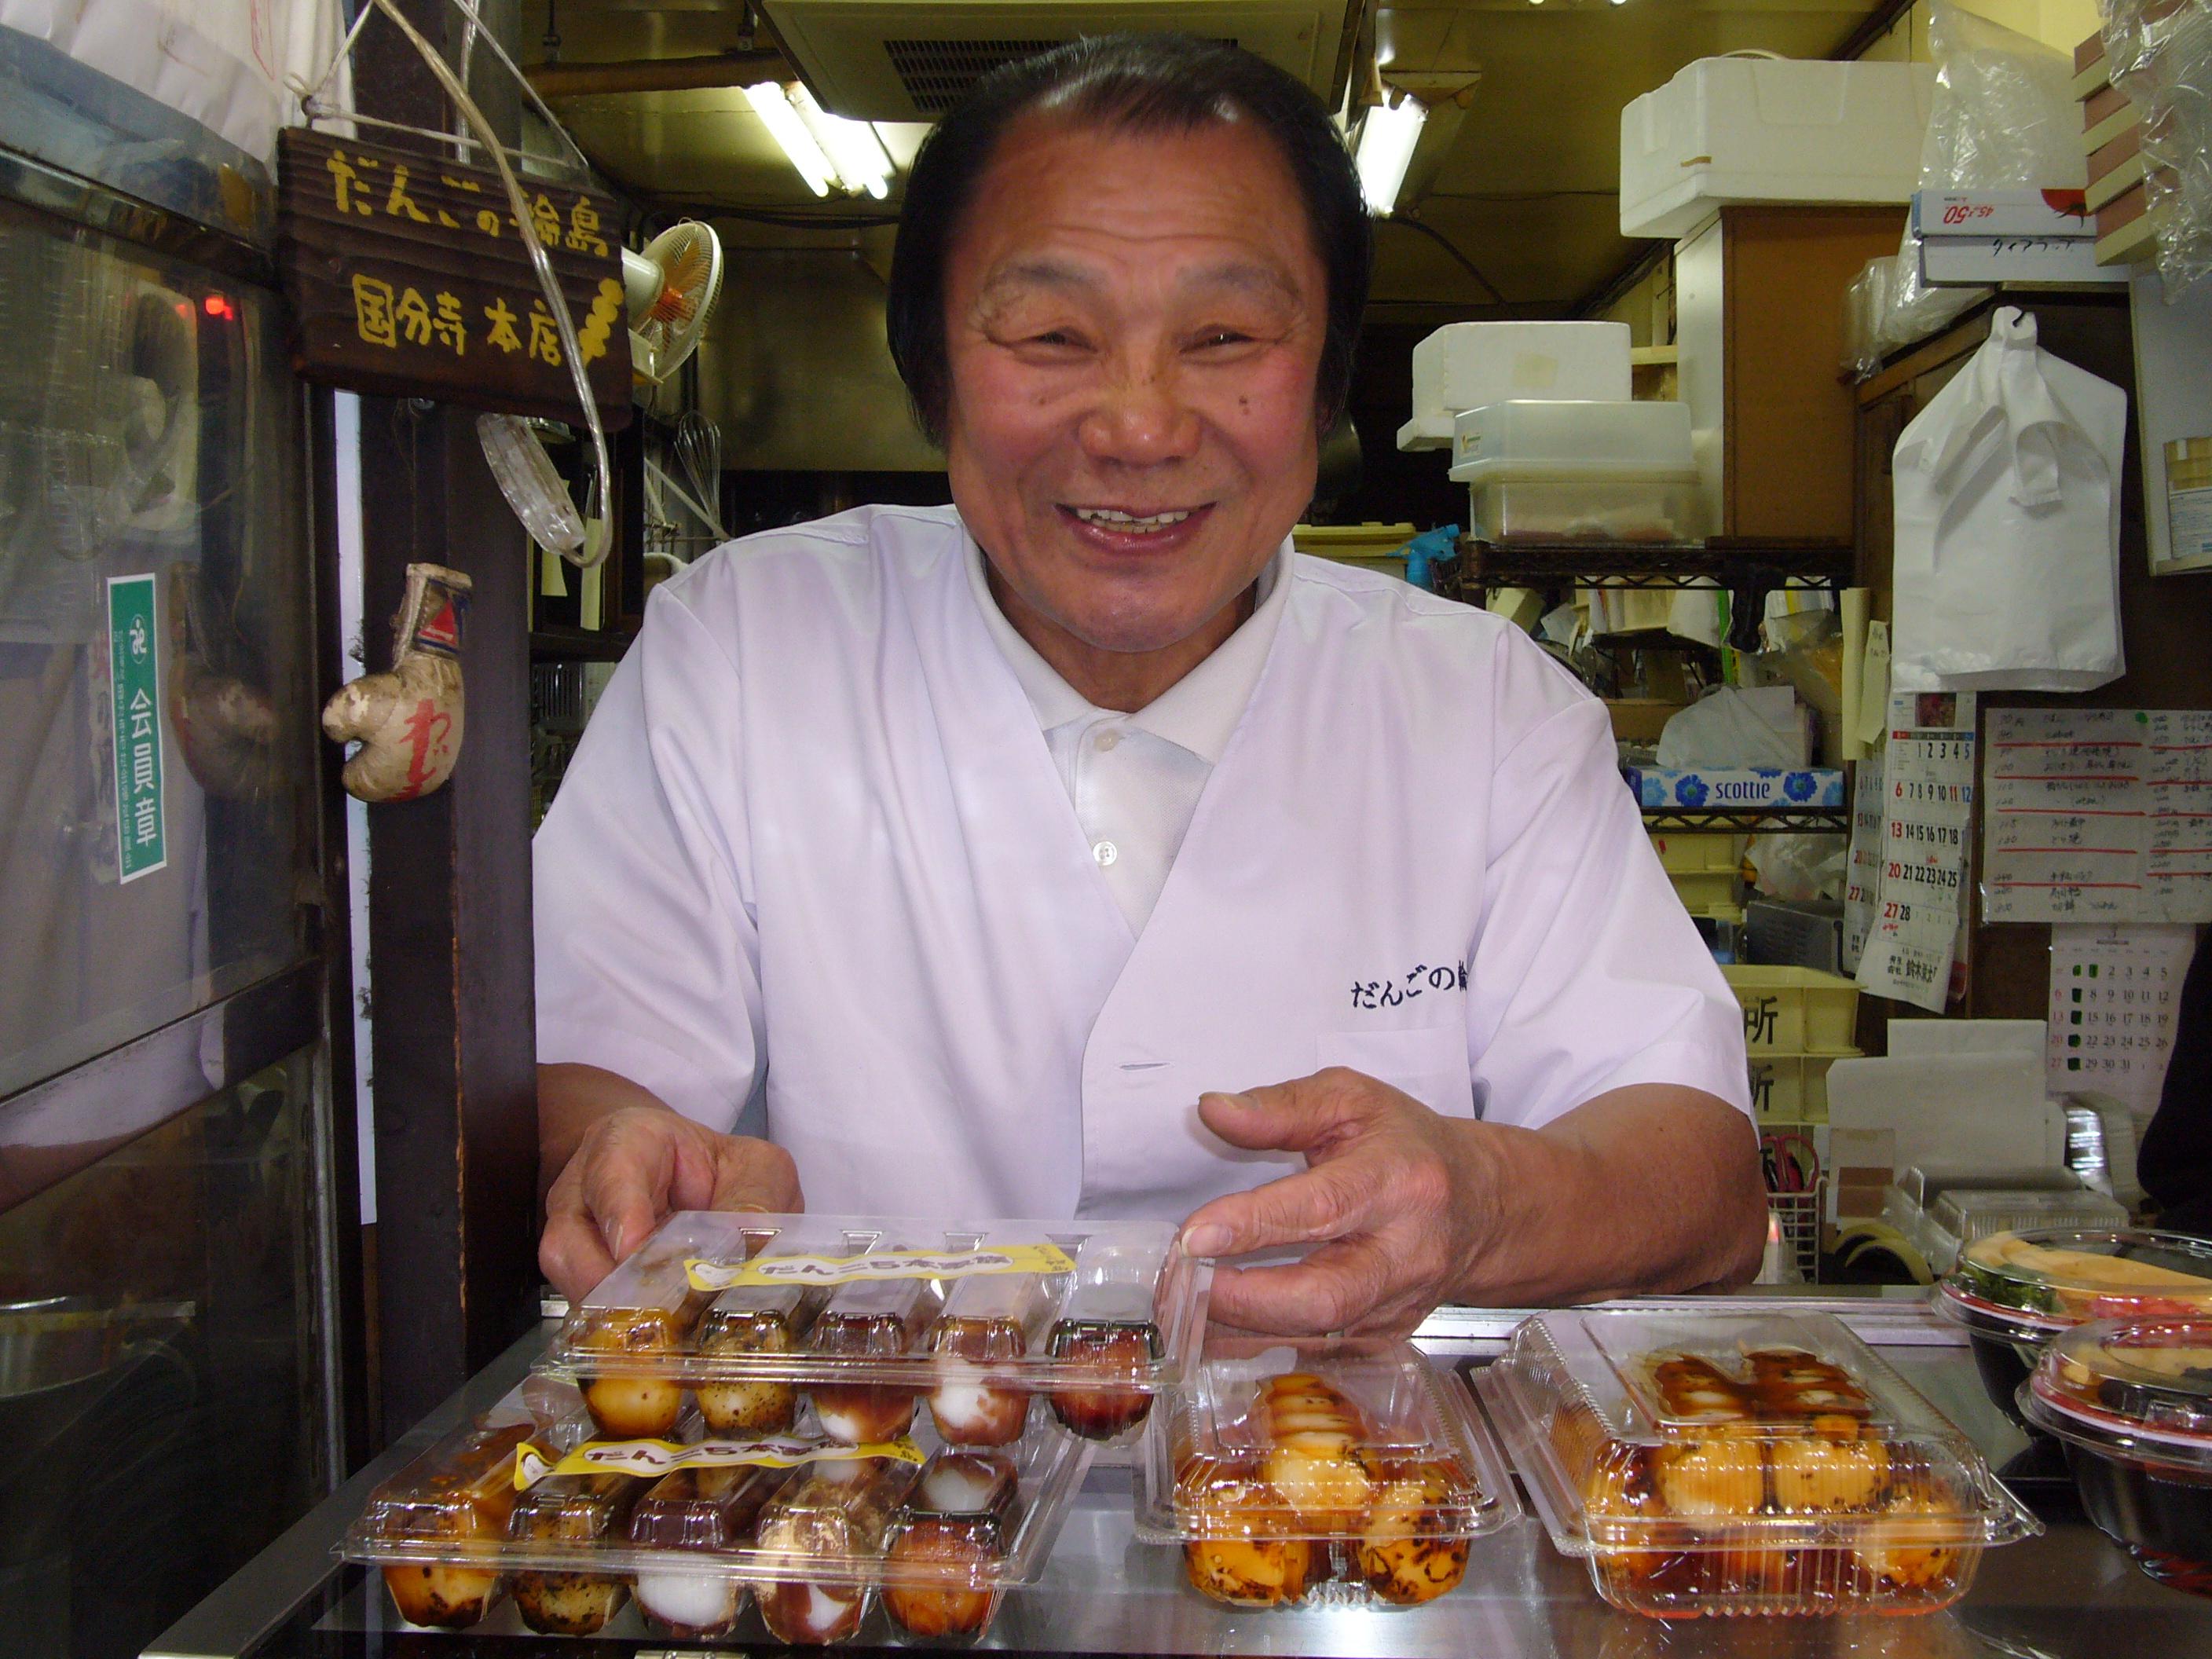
<point>1526,439</point>
<point>1466,365</point>
<point>1953,1113</point>
<point>1737,130</point>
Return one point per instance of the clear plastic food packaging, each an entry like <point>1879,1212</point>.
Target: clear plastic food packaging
<point>1345,1473</point>
<point>2014,1292</point>
<point>838,1514</point>
<point>453,1501</point>
<point>810,1530</point>
<point>1743,1464</point>
<point>868,1316</point>
<point>704,1513</point>
<point>2131,1402</point>
<point>571,1512</point>
<point>942,1569</point>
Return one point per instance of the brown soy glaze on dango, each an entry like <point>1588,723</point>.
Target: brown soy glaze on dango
<point>948,1542</point>
<point>462,1503</point>
<point>872,1320</point>
<point>569,1510</point>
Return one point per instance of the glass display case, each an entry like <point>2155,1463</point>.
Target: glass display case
<point>165,1138</point>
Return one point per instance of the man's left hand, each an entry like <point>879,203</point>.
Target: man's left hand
<point>1649,1186</point>
<point>1393,1194</point>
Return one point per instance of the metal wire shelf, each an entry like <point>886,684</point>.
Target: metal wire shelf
<point>1749,820</point>
<point>1735,562</point>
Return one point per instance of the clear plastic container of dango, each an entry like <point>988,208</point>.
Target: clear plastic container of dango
<point>2131,1402</point>
<point>1348,1472</point>
<point>2014,1292</point>
<point>1743,1464</point>
<point>532,1504</point>
<point>867,1320</point>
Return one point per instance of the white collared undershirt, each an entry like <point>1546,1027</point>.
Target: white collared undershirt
<point>1135,780</point>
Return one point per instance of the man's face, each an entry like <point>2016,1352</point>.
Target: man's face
<point>1133,325</point>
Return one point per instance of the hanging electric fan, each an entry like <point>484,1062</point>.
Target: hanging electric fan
<point>667,290</point>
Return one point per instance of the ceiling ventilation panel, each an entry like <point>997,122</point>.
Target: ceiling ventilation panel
<point>911,60</point>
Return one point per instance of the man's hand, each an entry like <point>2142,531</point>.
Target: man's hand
<point>1647,1188</point>
<point>635,1163</point>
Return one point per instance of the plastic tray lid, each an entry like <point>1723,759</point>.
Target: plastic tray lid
<point>2027,1285</point>
<point>2138,1388</point>
<point>821,1513</point>
<point>1644,1430</point>
<point>644,1318</point>
<point>1971,1214</point>
<point>1319,1439</point>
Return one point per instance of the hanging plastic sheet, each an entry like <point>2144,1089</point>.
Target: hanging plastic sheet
<point>2007,523</point>
<point>226,66</point>
<point>2160,53</point>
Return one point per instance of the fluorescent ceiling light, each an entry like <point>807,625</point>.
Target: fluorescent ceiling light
<point>774,109</point>
<point>854,148</point>
<point>1386,138</point>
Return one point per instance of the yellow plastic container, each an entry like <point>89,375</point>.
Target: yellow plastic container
<point>1707,892</point>
<point>1791,1090</point>
<point>1681,854</point>
<point>1795,1011</point>
<point>1371,546</point>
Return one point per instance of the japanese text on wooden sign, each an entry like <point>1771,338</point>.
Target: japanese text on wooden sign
<point>408,277</point>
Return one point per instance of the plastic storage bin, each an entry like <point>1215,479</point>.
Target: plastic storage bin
<point>1734,129</point>
<point>1467,365</point>
<point>2131,1402</point>
<point>1743,1464</point>
<point>1344,1474</point>
<point>1697,852</point>
<point>1795,1011</point>
<point>1561,471</point>
<point>1369,546</point>
<point>1792,1088</point>
<point>528,1502</point>
<point>2014,1292</point>
<point>867,1320</point>
<point>1709,892</point>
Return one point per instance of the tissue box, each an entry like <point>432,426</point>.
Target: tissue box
<point>1709,789</point>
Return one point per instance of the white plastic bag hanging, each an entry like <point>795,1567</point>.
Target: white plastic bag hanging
<point>2006,491</point>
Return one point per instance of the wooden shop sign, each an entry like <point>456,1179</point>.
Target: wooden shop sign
<point>407,278</point>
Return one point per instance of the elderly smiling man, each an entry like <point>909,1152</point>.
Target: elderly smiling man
<point>1080,850</point>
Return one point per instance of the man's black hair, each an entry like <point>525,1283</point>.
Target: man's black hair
<point>1138,83</point>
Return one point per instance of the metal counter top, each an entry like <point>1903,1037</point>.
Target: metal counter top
<point>2071,1592</point>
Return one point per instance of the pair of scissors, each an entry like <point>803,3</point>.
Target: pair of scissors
<point>1790,1163</point>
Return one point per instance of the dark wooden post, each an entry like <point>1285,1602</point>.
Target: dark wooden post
<point>452,1068</point>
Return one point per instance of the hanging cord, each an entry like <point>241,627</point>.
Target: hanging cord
<point>597,537</point>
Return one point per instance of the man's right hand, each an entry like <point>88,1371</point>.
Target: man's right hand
<point>635,1163</point>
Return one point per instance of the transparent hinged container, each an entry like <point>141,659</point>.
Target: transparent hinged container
<point>1349,1474</point>
<point>1576,471</point>
<point>869,1318</point>
<point>528,1502</point>
<point>1743,1464</point>
<point>2130,1400</point>
<point>2013,1293</point>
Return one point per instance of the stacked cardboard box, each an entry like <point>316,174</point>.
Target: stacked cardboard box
<point>2112,135</point>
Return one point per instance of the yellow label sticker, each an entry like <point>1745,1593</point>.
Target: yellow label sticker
<point>763,1272</point>
<point>659,1457</point>
<point>530,1466</point>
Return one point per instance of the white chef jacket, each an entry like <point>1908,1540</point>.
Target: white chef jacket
<point>1135,778</point>
<point>812,852</point>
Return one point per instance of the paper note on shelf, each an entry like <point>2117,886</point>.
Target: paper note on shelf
<point>1928,802</point>
<point>1863,871</point>
<point>2114,993</point>
<point>2097,815</point>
